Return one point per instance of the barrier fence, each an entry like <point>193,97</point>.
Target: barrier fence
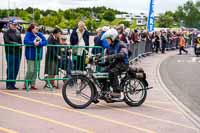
<point>57,61</point>
<point>53,62</point>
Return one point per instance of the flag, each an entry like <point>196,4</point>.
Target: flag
<point>150,24</point>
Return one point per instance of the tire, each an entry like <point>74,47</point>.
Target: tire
<point>129,92</point>
<point>72,85</point>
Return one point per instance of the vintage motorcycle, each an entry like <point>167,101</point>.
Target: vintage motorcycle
<point>84,88</point>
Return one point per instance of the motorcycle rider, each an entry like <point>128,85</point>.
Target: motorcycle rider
<point>196,43</point>
<point>116,60</point>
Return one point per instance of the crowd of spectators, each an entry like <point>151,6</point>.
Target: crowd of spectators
<point>158,41</point>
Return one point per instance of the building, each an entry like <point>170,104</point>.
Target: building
<point>140,19</point>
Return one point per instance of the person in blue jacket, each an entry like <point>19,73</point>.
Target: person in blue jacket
<point>98,42</point>
<point>34,42</point>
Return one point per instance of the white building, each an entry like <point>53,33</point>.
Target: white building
<point>140,19</point>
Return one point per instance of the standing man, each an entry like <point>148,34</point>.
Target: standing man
<point>157,41</point>
<point>182,44</point>
<point>12,39</point>
<point>163,41</point>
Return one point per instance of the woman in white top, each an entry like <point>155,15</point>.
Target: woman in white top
<point>80,37</point>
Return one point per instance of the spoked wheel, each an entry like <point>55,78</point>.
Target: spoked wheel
<point>78,92</point>
<point>135,92</point>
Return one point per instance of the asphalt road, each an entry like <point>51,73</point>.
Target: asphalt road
<point>181,75</point>
<point>43,111</point>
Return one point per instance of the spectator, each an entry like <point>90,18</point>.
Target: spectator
<point>12,37</point>
<point>97,42</point>
<point>65,57</point>
<point>80,37</point>
<point>163,41</point>
<point>182,44</point>
<point>143,35</point>
<point>169,38</point>
<point>135,37</point>
<point>34,42</point>
<point>122,36</point>
<point>157,42</point>
<point>51,61</point>
<point>136,40</point>
<point>148,46</point>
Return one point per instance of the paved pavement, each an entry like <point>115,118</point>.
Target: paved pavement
<point>43,111</point>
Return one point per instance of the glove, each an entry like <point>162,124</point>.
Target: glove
<point>115,56</point>
<point>97,61</point>
<point>103,64</point>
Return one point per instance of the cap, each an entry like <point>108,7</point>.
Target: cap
<point>13,21</point>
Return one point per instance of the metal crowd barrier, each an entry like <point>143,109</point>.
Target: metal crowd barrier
<point>63,57</point>
<point>54,66</point>
<point>16,62</point>
<point>140,49</point>
<point>51,67</point>
<point>144,48</point>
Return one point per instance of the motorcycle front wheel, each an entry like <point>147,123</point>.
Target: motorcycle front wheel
<point>78,92</point>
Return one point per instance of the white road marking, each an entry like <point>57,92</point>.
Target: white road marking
<point>180,61</point>
<point>194,59</point>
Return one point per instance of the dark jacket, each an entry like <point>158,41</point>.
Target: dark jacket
<point>164,40</point>
<point>117,53</point>
<point>12,37</point>
<point>51,61</point>
<point>157,40</point>
<point>52,52</point>
<point>97,42</point>
<point>74,37</point>
<point>30,51</point>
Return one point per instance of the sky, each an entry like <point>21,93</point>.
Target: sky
<point>131,6</point>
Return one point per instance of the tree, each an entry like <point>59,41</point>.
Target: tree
<point>165,20</point>
<point>179,14</point>
<point>72,24</point>
<point>188,15</point>
<point>29,10</point>
<point>63,24</point>
<point>91,24</point>
<point>67,14</point>
<point>109,16</point>
<point>48,17</point>
<point>24,15</point>
<point>192,14</point>
<point>126,23</point>
<point>3,13</point>
<point>134,24</point>
<point>37,15</point>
